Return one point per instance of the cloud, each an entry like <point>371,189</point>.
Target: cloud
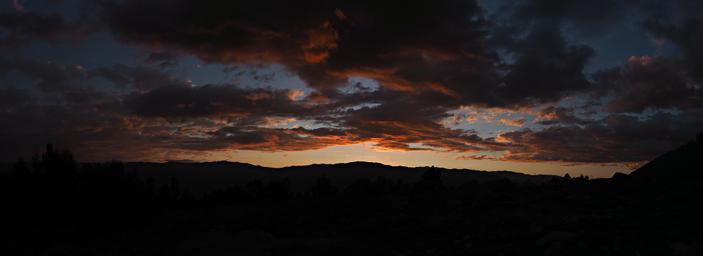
<point>86,123</point>
<point>211,100</point>
<point>475,157</point>
<point>57,78</point>
<point>158,113</point>
<point>140,78</point>
<point>546,68</point>
<point>17,5</point>
<point>163,59</point>
<point>12,98</point>
<point>248,115</point>
<point>429,59</point>
<point>585,18</point>
<point>649,82</point>
<point>50,76</point>
<point>618,138</point>
<point>262,139</point>
<point>513,122</point>
<point>100,127</point>
<point>688,36</point>
<point>20,27</point>
<point>560,115</point>
<point>422,48</point>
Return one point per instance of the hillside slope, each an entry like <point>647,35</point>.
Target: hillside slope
<point>685,162</point>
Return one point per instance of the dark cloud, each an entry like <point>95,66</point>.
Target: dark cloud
<point>618,138</point>
<point>163,59</point>
<point>211,100</point>
<point>688,36</point>
<point>269,139</point>
<point>546,68</point>
<point>87,123</point>
<point>417,48</point>
<point>217,31</point>
<point>99,126</point>
<point>246,112</point>
<point>19,27</point>
<point>56,78</point>
<point>50,76</point>
<point>12,98</point>
<point>584,18</point>
<point>428,57</point>
<point>648,83</point>
<point>139,78</point>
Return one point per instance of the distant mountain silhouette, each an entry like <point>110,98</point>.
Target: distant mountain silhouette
<point>54,205</point>
<point>207,176</point>
<point>685,162</point>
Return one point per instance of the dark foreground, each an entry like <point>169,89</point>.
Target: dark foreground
<point>54,206</point>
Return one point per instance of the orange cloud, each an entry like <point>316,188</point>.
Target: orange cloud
<point>321,41</point>
<point>389,79</point>
<point>476,157</point>
<point>513,122</point>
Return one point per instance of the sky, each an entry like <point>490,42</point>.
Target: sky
<point>535,86</point>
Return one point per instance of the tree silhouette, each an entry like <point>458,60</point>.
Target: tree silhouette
<point>323,187</point>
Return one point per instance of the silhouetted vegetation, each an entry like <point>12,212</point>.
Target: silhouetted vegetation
<point>53,205</point>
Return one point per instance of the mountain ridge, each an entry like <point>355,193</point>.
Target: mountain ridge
<point>205,176</point>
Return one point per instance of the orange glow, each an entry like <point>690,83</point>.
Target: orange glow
<point>321,41</point>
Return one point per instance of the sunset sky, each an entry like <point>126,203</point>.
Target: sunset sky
<point>535,86</point>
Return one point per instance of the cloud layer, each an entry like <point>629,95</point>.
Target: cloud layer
<point>524,63</point>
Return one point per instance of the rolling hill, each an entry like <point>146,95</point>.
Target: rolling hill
<point>207,176</point>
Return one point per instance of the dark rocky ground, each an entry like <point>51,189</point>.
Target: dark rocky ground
<point>54,206</point>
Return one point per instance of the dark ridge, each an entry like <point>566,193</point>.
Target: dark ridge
<point>683,163</point>
<point>208,176</point>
